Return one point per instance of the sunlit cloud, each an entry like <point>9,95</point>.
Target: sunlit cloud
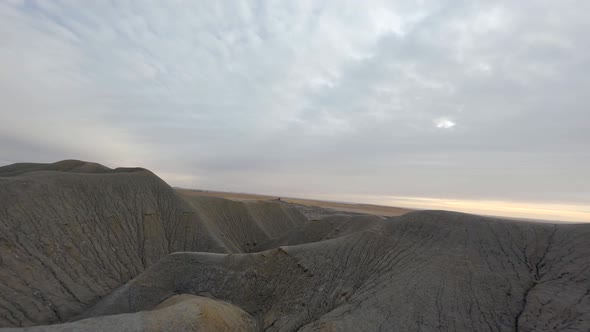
<point>444,124</point>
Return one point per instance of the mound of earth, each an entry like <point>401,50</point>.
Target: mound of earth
<point>124,251</point>
<point>178,313</point>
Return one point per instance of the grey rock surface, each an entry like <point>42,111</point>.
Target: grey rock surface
<point>79,247</point>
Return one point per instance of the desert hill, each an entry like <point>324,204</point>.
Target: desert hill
<point>68,238</point>
<point>75,166</point>
<point>85,247</point>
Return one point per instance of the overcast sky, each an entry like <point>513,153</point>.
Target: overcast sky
<point>379,101</point>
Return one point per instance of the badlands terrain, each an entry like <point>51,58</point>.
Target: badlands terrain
<point>88,248</point>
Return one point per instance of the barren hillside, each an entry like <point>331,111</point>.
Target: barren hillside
<point>88,248</point>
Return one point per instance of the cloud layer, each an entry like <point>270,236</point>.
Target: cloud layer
<point>446,99</point>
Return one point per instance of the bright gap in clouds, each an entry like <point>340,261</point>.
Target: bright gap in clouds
<point>444,124</point>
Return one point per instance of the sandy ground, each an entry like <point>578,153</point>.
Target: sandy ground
<point>378,210</point>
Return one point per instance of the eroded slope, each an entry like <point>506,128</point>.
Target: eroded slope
<point>432,271</point>
<point>83,245</point>
<point>69,237</point>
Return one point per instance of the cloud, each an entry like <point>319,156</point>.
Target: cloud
<point>444,123</point>
<point>307,96</point>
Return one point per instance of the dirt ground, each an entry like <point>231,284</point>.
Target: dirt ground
<point>379,210</point>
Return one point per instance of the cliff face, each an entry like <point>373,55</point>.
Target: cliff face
<point>81,245</point>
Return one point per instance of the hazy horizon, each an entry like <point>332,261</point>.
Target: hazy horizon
<point>470,106</point>
<point>558,212</point>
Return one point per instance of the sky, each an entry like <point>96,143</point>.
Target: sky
<point>477,106</point>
